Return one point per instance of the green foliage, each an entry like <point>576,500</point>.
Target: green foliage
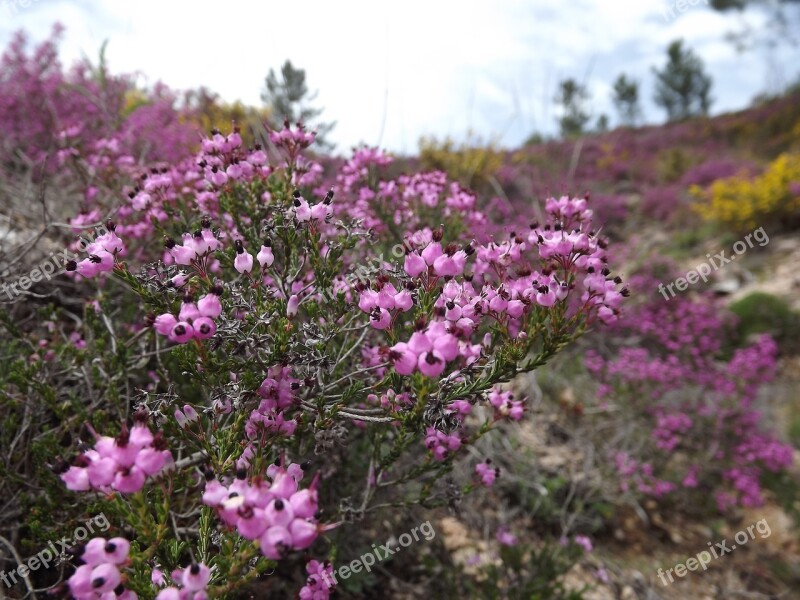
<point>764,313</point>
<point>626,100</point>
<point>572,97</point>
<point>211,112</point>
<point>288,98</point>
<point>682,86</point>
<point>472,163</point>
<point>672,164</point>
<point>524,572</point>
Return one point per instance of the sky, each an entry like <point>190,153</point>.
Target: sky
<point>390,73</point>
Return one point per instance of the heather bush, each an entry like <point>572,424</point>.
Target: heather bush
<point>267,364</point>
<point>692,423</point>
<point>44,109</point>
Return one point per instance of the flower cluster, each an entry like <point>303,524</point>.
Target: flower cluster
<point>487,473</point>
<point>103,252</point>
<point>429,350</point>
<point>278,394</point>
<point>192,582</point>
<point>194,320</point>
<point>441,444</point>
<point>195,247</point>
<point>319,583</point>
<point>294,366</point>
<point>99,578</point>
<point>697,403</point>
<point>276,513</point>
<point>122,463</point>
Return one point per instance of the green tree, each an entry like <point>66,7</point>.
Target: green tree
<point>572,97</point>
<point>626,100</point>
<point>287,97</point>
<point>682,87</point>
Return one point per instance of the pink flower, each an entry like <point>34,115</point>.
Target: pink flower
<point>129,480</point>
<point>244,260</point>
<point>302,212</point>
<point>405,360</point>
<point>487,473</point>
<point>380,318</point>
<point>183,255</point>
<point>195,577</point>
<point>292,305</point>
<point>264,256</point>
<point>188,312</point>
<point>506,538</point>
<point>76,479</point>
<point>210,306</point>
<point>584,542</point>
<point>181,333</point>
<point>414,265</point>
<point>431,364</point>
<point>204,328</point>
<point>275,542</point>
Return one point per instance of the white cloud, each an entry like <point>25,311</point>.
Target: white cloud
<point>421,67</point>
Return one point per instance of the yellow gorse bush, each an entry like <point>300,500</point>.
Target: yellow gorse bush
<point>472,163</point>
<point>744,203</point>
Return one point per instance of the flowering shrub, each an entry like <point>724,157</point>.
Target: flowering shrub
<point>472,163</point>
<point>744,203</point>
<point>316,352</point>
<point>44,109</point>
<point>691,417</point>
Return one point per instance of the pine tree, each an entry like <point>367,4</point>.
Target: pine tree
<point>572,97</point>
<point>682,87</point>
<point>287,97</point>
<point>626,100</point>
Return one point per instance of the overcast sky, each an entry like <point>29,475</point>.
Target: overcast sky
<point>389,73</point>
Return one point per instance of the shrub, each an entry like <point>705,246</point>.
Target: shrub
<point>472,163</point>
<point>743,203</point>
<point>764,313</point>
<point>691,426</point>
<point>275,368</point>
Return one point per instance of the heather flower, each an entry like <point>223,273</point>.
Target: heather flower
<point>244,260</point>
<point>486,473</point>
<point>123,463</point>
<point>264,256</point>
